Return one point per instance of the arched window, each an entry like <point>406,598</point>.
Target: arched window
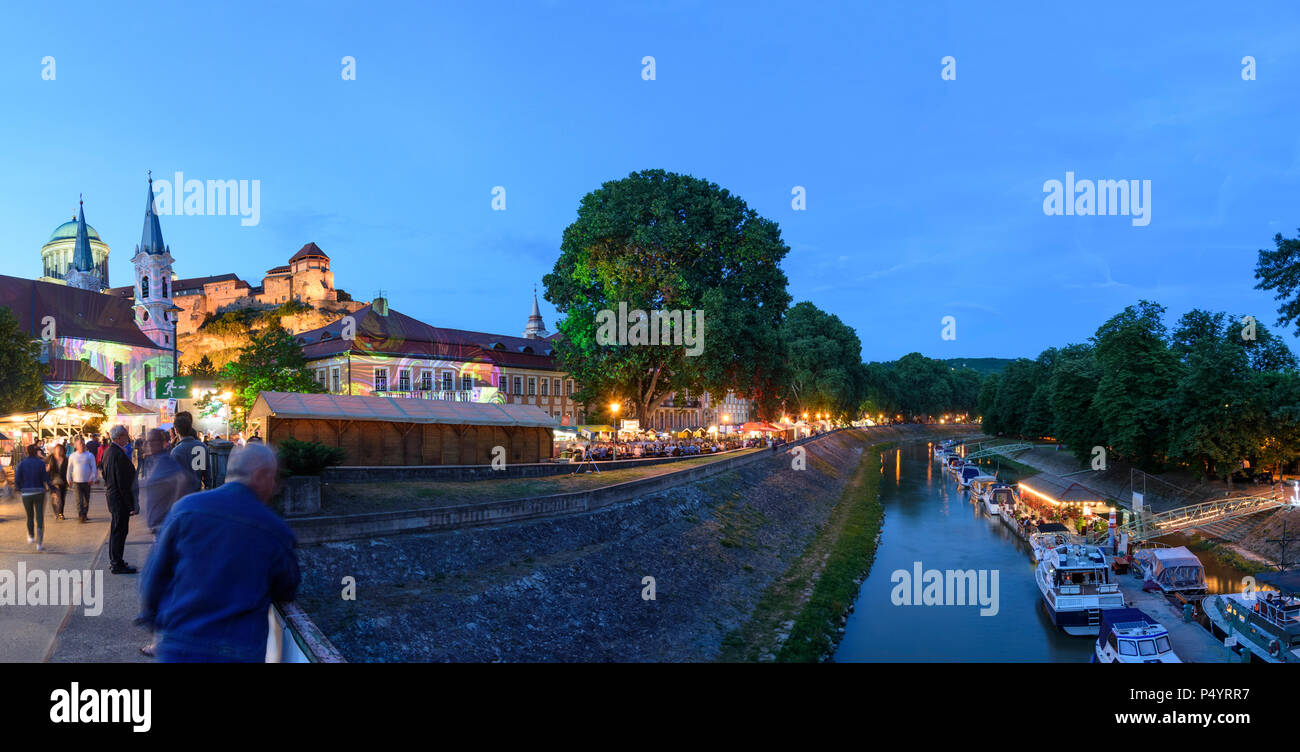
<point>144,288</point>
<point>164,286</point>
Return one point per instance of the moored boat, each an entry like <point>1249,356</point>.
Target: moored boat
<point>1266,624</point>
<point>1074,580</point>
<point>1129,635</point>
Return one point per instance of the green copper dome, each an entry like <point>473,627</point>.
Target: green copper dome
<point>68,231</point>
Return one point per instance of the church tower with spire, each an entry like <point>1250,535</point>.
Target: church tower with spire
<point>154,309</point>
<point>83,275</point>
<point>536,328</point>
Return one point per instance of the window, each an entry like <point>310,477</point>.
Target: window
<point>532,386</point>
<point>570,388</point>
<point>381,379</point>
<point>118,379</point>
<point>144,288</point>
<point>466,382</point>
<point>426,381</point>
<point>404,380</point>
<point>320,376</point>
<point>148,382</point>
<point>334,379</point>
<point>519,389</point>
<point>546,383</point>
<point>164,286</point>
<point>556,387</point>
<point>446,381</point>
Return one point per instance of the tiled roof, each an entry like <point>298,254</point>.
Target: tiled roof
<point>64,371</point>
<point>400,335</point>
<point>311,249</point>
<point>79,314</point>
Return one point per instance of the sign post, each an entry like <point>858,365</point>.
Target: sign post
<point>173,387</point>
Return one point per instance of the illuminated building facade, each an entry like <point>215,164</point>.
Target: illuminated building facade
<point>380,351</point>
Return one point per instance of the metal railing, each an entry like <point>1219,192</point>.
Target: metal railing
<point>455,395</point>
<point>1005,450</point>
<point>1148,525</point>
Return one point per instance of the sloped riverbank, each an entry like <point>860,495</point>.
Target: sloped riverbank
<point>575,588</point>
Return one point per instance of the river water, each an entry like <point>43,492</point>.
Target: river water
<point>928,519</point>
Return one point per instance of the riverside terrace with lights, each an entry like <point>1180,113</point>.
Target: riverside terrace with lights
<point>391,354</point>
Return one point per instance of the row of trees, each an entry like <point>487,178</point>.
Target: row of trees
<point>1214,391</point>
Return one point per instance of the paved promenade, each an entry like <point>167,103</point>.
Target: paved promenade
<point>41,633</point>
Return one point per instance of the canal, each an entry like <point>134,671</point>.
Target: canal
<point>928,519</point>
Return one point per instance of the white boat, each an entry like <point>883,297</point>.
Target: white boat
<point>967,473</point>
<point>996,496</point>
<point>1128,635</point>
<point>1074,580</point>
<point>1050,535</point>
<point>979,485</point>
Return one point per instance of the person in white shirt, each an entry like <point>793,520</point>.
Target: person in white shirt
<point>81,473</point>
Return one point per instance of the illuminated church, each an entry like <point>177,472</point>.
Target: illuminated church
<point>98,348</point>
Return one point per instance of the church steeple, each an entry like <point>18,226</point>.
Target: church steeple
<point>82,274</point>
<point>154,310</point>
<point>151,241</point>
<point>536,328</point>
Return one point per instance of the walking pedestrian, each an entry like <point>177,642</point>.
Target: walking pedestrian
<point>57,467</point>
<point>32,480</point>
<point>163,482</point>
<point>220,561</point>
<point>81,473</point>
<point>119,478</point>
<point>189,451</point>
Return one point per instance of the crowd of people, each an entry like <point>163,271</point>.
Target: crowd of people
<point>608,450</point>
<point>220,556</point>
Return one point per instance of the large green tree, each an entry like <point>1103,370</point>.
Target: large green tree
<point>824,363</point>
<point>1139,372</point>
<point>1213,411</point>
<point>1278,270</point>
<point>656,240</point>
<point>1074,381</point>
<point>272,361</point>
<point>20,367</point>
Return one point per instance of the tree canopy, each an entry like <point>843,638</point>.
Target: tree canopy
<point>657,240</point>
<point>20,368</point>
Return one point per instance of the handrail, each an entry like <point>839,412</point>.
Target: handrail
<point>1148,525</point>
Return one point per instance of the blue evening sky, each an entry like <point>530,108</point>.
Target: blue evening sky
<point>924,196</point>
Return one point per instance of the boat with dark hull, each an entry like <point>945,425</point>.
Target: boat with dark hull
<point>1075,583</point>
<point>1266,624</point>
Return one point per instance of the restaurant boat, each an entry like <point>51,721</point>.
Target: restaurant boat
<point>1128,635</point>
<point>1265,623</point>
<point>1074,580</point>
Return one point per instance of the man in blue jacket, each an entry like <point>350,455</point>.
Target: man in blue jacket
<point>220,561</point>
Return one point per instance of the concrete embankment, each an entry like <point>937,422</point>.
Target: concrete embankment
<point>578,587</point>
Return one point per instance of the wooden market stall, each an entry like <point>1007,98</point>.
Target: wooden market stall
<point>388,431</point>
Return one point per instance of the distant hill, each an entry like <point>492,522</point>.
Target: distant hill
<point>985,366</point>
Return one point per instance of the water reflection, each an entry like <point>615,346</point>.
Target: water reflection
<point>928,519</point>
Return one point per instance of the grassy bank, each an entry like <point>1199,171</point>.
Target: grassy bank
<point>832,566</point>
<point>1008,470</point>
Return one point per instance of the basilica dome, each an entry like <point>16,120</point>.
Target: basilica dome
<point>68,231</point>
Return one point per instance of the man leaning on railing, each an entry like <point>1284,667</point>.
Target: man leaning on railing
<point>220,561</point>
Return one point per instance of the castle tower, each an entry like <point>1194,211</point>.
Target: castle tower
<point>154,309</point>
<point>83,273</point>
<point>536,328</point>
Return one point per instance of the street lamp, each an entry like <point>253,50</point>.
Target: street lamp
<point>613,407</point>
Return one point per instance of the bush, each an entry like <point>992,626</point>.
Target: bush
<point>308,457</point>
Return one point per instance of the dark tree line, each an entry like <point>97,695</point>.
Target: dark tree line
<point>1211,393</point>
